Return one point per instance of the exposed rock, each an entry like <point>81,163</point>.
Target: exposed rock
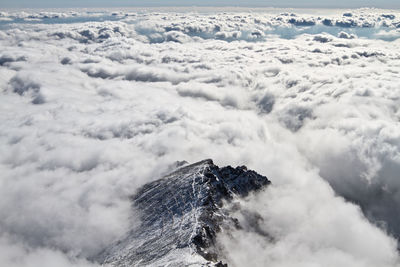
<point>181,215</point>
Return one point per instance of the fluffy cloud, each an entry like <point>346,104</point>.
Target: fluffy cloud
<point>286,226</point>
<point>92,110</point>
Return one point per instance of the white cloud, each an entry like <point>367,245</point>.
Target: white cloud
<point>17,255</point>
<point>90,111</point>
<point>305,225</point>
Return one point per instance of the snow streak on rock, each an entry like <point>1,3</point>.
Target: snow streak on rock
<point>181,215</point>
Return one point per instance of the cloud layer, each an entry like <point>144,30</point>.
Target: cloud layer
<point>92,110</point>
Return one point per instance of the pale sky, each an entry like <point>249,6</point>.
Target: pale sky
<point>250,3</point>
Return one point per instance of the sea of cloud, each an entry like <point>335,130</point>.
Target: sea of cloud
<point>94,105</point>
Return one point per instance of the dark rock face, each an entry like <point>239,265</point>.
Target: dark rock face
<point>181,215</point>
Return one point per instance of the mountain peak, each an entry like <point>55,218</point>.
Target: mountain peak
<point>181,214</point>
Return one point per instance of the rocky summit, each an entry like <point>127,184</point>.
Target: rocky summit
<point>181,215</point>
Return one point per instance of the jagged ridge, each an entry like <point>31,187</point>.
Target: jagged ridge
<point>181,215</point>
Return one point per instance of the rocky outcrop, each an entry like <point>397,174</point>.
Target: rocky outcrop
<point>181,215</point>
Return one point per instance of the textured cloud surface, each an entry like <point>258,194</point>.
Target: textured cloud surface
<point>95,104</point>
